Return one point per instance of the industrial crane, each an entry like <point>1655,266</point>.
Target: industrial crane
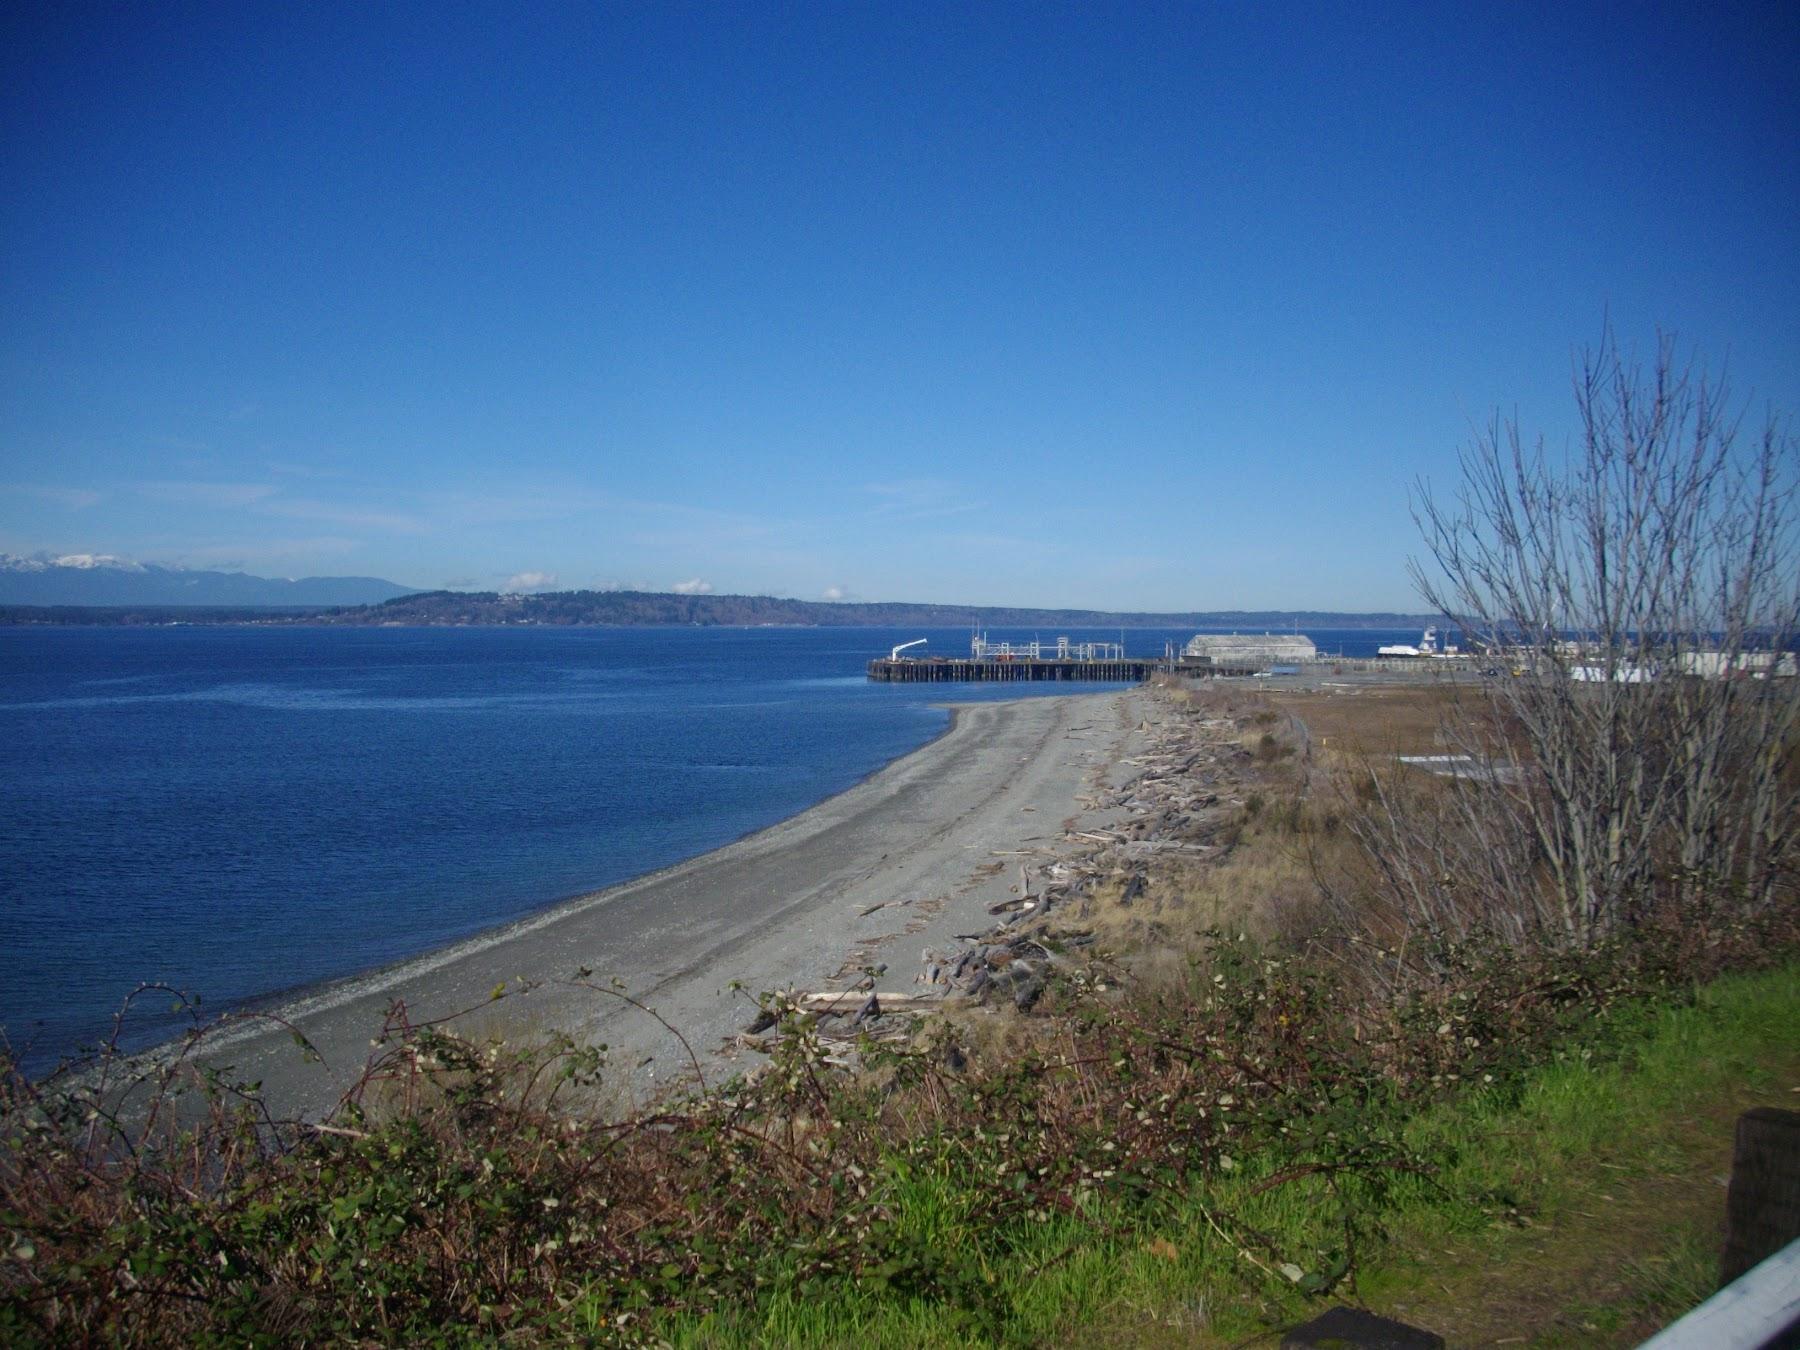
<point>895,654</point>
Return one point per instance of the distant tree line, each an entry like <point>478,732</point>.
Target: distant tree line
<point>146,616</point>
<point>654,608</point>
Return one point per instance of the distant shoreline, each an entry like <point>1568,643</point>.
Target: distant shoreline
<point>646,609</point>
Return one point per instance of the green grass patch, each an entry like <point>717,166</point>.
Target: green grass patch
<point>1507,1160</point>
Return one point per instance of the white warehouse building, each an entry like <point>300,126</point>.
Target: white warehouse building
<point>1249,649</point>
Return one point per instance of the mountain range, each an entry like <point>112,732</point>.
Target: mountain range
<point>105,580</point>
<point>87,588</point>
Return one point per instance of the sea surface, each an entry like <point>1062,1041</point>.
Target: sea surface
<point>241,812</point>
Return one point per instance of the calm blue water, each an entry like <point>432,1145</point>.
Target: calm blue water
<point>241,811</point>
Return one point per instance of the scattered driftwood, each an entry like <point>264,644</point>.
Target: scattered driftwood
<point>880,904</point>
<point>868,1004</point>
<point>1175,805</point>
<point>1143,848</point>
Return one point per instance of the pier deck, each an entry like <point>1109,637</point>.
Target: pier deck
<point>936,670</point>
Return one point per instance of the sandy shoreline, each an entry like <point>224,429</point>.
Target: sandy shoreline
<point>903,860</point>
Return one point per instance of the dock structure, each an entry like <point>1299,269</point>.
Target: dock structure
<point>1095,662</point>
<point>1100,662</point>
<point>980,649</point>
<point>1118,670</point>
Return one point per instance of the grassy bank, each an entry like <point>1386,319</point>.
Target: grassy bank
<point>1493,1228</point>
<point>1612,1174</point>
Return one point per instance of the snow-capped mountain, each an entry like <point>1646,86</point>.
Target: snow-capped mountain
<point>80,561</point>
<point>103,579</point>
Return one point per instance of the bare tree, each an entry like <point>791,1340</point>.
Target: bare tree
<point>1449,863</point>
<point>1642,592</point>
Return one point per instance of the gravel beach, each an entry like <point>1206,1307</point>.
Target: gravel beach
<point>905,860</point>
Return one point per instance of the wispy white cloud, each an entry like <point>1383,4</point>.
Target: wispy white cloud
<point>1013,545</point>
<point>226,496</point>
<point>509,507</point>
<point>73,499</point>
<point>333,513</point>
<point>921,498</point>
<point>239,554</point>
<point>523,583</point>
<point>538,503</point>
<point>268,499</point>
<point>692,586</point>
<point>290,469</point>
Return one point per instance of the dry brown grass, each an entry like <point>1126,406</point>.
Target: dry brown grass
<point>1372,719</point>
<point>1264,882</point>
<point>1291,845</point>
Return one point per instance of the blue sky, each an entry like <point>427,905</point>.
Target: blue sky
<point>1132,306</point>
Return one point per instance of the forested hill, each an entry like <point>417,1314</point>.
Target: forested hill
<point>656,607</point>
<point>622,608</point>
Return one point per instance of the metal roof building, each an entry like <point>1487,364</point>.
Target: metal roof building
<point>1249,649</point>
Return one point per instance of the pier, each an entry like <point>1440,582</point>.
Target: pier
<point>1118,670</point>
<point>1101,662</point>
<point>1006,662</point>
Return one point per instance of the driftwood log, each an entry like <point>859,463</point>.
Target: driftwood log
<point>868,1003</point>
